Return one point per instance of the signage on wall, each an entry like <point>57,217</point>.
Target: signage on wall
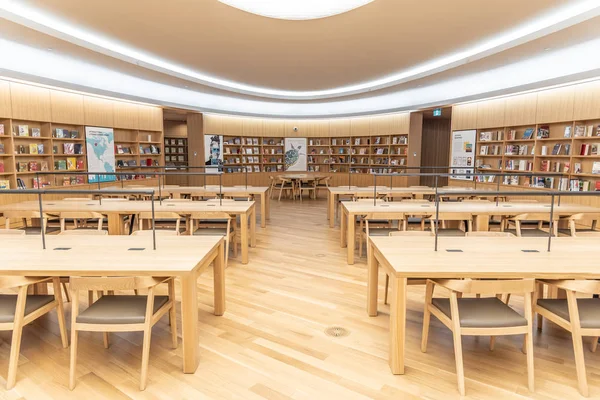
<point>437,112</point>
<point>462,159</point>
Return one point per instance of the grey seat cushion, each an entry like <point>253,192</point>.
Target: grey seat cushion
<point>482,313</point>
<point>119,310</point>
<point>529,232</point>
<point>451,232</point>
<point>589,310</point>
<point>213,221</point>
<point>8,305</point>
<point>211,232</point>
<point>380,231</point>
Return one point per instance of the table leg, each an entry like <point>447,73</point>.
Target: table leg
<point>244,237</point>
<point>253,227</point>
<point>332,197</point>
<point>397,324</point>
<point>189,322</point>
<point>176,195</point>
<point>328,205</point>
<point>350,237</point>
<point>268,203</point>
<point>219,280</point>
<point>342,231</point>
<point>263,211</point>
<point>372,284</point>
<point>482,223</point>
<point>115,224</point>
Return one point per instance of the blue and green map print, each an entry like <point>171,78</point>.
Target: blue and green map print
<point>100,145</point>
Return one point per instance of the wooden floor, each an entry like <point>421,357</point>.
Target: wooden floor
<point>270,344</point>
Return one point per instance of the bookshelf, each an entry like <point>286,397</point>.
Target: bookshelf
<point>176,151</point>
<point>273,154</point>
<point>571,148</point>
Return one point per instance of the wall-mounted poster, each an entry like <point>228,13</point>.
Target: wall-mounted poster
<point>213,153</point>
<point>100,145</point>
<point>462,159</point>
<point>295,154</point>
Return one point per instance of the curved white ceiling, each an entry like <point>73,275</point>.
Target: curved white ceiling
<point>296,9</point>
<point>568,14</point>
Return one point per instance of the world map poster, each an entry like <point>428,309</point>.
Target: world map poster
<point>100,145</point>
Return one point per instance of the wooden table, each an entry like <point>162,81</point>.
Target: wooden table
<point>481,211</point>
<point>406,257</point>
<point>417,192</point>
<point>116,210</point>
<point>257,191</point>
<point>185,257</point>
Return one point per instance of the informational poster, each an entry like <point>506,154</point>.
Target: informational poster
<point>295,154</point>
<point>100,145</point>
<point>462,157</point>
<point>213,153</point>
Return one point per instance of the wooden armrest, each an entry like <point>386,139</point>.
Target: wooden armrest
<point>582,286</point>
<point>17,281</point>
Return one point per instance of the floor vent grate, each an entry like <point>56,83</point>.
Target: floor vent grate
<point>337,331</point>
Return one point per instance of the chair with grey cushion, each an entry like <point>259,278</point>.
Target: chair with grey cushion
<point>163,220</point>
<point>537,219</point>
<point>369,230</point>
<point>585,218</point>
<point>212,226</point>
<point>19,310</point>
<point>487,316</point>
<point>121,313</point>
<point>580,316</point>
<point>465,219</point>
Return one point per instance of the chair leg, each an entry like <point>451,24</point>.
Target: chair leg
<point>90,297</point>
<point>426,316</point>
<point>173,314</point>
<point>387,287</point>
<point>106,339</point>
<point>580,364</point>
<point>227,239</point>
<point>594,344</point>
<point>145,358</point>
<point>15,348</point>
<point>64,286</point>
<point>530,372</point>
<point>360,245</point>
<point>73,362</point>
<point>460,372</point>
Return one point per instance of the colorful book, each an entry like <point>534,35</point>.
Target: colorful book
<point>33,149</point>
<point>596,167</point>
<point>71,163</point>
<point>22,166</point>
<point>74,134</point>
<point>43,165</point>
<point>78,148</point>
<point>543,132</point>
<point>23,130</point>
<point>528,134</point>
<point>4,184</point>
<point>2,148</point>
<point>80,164</point>
<point>567,131</point>
<point>33,166</point>
<point>1,129</point>
<point>1,166</point>
<point>69,148</point>
<point>35,132</point>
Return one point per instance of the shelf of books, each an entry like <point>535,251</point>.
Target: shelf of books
<point>273,154</point>
<point>28,147</point>
<point>568,148</point>
<point>176,151</point>
<point>318,154</point>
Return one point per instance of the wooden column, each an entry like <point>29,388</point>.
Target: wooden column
<point>415,133</point>
<point>195,132</point>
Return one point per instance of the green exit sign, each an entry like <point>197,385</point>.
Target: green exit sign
<point>437,112</point>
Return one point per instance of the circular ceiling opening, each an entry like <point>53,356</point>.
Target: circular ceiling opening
<point>296,9</point>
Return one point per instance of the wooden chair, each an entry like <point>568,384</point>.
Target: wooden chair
<point>12,232</point>
<point>580,316</point>
<point>309,186</point>
<point>445,217</point>
<point>480,316</point>
<point>322,184</point>
<point>158,233</point>
<point>573,219</point>
<point>420,219</point>
<point>121,313</point>
<point>24,216</point>
<point>203,195</point>
<point>163,220</point>
<point>80,219</point>
<point>539,218</point>
<point>21,309</point>
<point>379,230</point>
<point>489,234</point>
<point>286,185</point>
<point>272,184</point>
<point>228,230</point>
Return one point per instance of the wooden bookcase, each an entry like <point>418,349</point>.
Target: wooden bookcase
<point>273,151</point>
<point>176,151</point>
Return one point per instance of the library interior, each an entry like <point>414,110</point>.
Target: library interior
<point>299,199</point>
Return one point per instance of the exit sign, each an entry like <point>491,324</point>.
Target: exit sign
<point>437,112</point>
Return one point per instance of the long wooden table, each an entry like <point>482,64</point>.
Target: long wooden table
<point>414,257</point>
<point>481,212</point>
<point>417,192</point>
<point>257,191</point>
<point>185,257</point>
<point>116,210</point>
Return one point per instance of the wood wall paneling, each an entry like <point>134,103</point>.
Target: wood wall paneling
<point>30,102</point>
<point>252,127</point>
<point>175,129</point>
<point>414,144</point>
<point>273,127</point>
<point>195,131</point>
<point>213,123</point>
<point>5,102</point>
<point>435,147</point>
<point>126,115</point>
<point>464,116</point>
<point>520,109</point>
<point>490,113</point>
<point>98,111</point>
<point>587,101</point>
<point>301,124</point>
<point>360,126</point>
<point>232,126</point>
<point>317,128</point>
<point>67,108</point>
<point>339,127</point>
<point>555,105</point>
<point>150,118</point>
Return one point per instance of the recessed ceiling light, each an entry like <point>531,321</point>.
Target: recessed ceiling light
<point>296,9</point>
<point>547,48</point>
<point>49,49</point>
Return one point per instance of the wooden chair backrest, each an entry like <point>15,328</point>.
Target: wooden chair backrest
<point>369,195</point>
<point>23,214</point>
<point>587,286</point>
<point>489,234</point>
<point>113,200</point>
<point>470,286</point>
<point>580,216</point>
<point>209,215</point>
<point>114,282</point>
<point>421,201</point>
<point>80,215</point>
<point>177,201</point>
<point>159,215</point>
<point>412,233</point>
<point>86,232</point>
<point>475,201</point>
<point>8,282</point>
<point>159,232</point>
<point>535,217</point>
<point>392,216</point>
<point>203,194</point>
<point>454,216</point>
